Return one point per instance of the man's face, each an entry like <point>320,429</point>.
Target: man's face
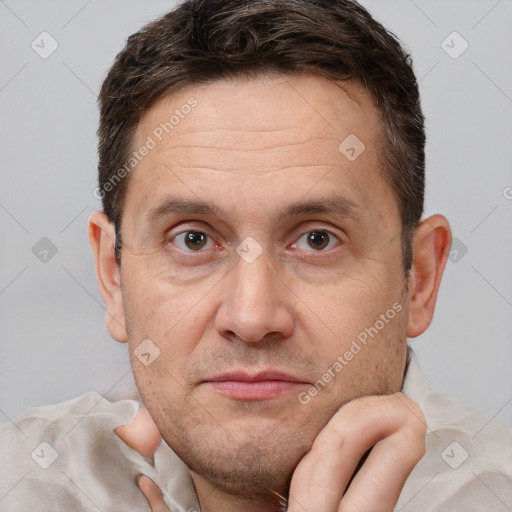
<point>255,255</point>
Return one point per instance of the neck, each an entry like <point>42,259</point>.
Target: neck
<point>213,499</point>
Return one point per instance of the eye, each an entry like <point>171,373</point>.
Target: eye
<point>192,241</point>
<point>316,240</point>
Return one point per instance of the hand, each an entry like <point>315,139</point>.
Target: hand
<point>142,435</point>
<point>394,424</point>
<point>328,479</point>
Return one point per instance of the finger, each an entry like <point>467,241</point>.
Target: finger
<point>152,493</point>
<point>141,434</point>
<point>377,486</point>
<point>322,476</point>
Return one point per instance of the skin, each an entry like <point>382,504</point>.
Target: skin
<point>253,149</point>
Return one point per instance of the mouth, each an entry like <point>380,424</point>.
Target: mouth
<point>254,387</point>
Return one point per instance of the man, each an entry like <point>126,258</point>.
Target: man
<point>262,252</point>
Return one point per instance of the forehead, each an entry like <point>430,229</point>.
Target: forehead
<point>309,105</point>
<point>263,137</point>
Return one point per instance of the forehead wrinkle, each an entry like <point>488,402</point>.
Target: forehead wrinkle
<point>241,129</point>
<point>241,172</point>
<point>237,147</point>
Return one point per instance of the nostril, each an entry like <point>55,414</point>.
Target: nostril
<point>267,338</point>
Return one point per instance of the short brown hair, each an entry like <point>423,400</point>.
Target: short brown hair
<point>206,40</point>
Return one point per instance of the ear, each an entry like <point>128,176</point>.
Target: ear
<point>431,246</point>
<point>102,240</point>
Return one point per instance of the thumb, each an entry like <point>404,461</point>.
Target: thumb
<point>153,494</point>
<point>141,434</point>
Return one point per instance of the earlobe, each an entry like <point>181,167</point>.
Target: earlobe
<point>431,245</point>
<point>102,239</point>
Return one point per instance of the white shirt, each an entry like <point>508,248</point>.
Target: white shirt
<point>67,457</point>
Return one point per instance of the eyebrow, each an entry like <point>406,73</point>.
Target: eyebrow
<point>175,205</point>
<point>333,204</point>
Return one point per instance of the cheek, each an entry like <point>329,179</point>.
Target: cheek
<point>365,357</point>
<point>164,384</point>
<point>172,327</point>
<point>154,305</point>
<point>351,300</point>
<point>357,325</point>
<point>173,319</point>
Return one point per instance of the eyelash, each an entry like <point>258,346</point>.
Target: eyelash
<point>211,241</point>
<point>332,238</point>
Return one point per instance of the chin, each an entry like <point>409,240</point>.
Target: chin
<point>255,476</point>
<point>254,467</point>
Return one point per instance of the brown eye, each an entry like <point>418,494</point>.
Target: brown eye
<point>318,240</point>
<point>193,241</point>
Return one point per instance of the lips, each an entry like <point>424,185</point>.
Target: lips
<point>258,377</point>
<point>260,386</point>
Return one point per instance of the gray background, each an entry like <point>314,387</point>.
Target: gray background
<point>54,344</point>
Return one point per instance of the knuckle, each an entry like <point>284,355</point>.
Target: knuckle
<point>413,416</point>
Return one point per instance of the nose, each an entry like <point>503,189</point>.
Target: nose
<point>255,305</point>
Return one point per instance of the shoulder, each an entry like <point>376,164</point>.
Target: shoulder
<point>468,461</point>
<point>62,455</point>
<point>89,404</point>
<point>467,465</point>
